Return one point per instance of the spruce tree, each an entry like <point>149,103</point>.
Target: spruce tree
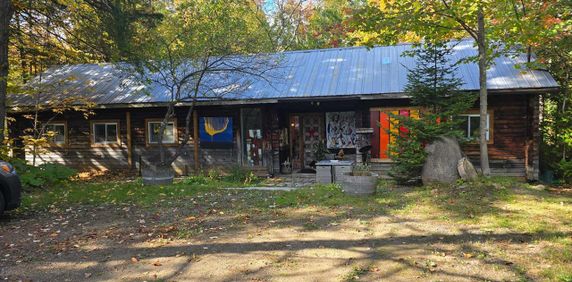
<point>434,88</point>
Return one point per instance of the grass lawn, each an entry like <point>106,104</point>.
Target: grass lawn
<point>494,229</point>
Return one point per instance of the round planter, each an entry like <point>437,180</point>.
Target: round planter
<point>359,185</point>
<point>157,175</point>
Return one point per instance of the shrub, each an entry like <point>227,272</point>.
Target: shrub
<point>410,159</point>
<point>44,175</point>
<point>199,180</point>
<point>214,174</point>
<point>242,175</point>
<point>565,170</point>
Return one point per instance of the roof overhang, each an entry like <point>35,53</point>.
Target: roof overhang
<point>240,102</point>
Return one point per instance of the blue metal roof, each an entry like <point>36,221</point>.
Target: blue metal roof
<point>310,73</point>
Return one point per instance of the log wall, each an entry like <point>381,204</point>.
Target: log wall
<point>515,134</point>
<point>80,153</point>
<point>513,152</point>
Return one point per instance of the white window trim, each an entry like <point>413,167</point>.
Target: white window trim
<point>54,124</point>
<point>149,132</point>
<point>106,135</point>
<point>468,116</point>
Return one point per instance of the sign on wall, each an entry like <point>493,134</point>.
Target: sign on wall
<point>341,130</point>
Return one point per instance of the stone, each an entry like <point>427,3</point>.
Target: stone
<point>466,170</point>
<point>443,155</point>
<point>363,185</point>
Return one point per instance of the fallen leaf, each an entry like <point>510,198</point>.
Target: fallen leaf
<point>157,263</point>
<point>134,259</point>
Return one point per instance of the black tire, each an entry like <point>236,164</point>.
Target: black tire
<point>2,203</point>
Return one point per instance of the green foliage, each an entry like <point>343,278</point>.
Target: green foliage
<point>310,24</point>
<point>553,47</point>
<point>241,175</point>
<point>44,175</point>
<point>196,40</point>
<point>198,180</point>
<point>497,27</point>
<point>214,174</point>
<point>408,155</point>
<point>237,176</point>
<point>565,170</point>
<point>432,86</point>
<point>112,27</point>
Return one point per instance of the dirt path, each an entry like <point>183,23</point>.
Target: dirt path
<point>312,244</point>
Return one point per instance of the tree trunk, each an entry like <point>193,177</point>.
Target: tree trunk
<point>482,47</point>
<point>168,116</point>
<point>6,12</point>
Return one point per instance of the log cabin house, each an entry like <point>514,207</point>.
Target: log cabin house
<point>324,96</point>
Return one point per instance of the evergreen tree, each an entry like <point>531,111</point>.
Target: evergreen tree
<point>434,89</point>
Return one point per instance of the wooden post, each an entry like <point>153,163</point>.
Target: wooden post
<point>196,140</point>
<point>240,158</point>
<point>129,142</point>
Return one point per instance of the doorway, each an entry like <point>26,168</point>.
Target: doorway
<point>306,131</point>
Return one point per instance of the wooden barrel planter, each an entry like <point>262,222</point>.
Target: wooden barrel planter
<point>359,185</point>
<point>157,175</point>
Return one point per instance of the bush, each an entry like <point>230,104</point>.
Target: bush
<point>242,175</point>
<point>198,180</point>
<point>214,174</point>
<point>44,175</point>
<point>565,170</point>
<point>409,156</point>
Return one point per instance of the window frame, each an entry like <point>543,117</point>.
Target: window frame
<point>148,142</point>
<point>116,143</point>
<point>60,123</point>
<point>490,122</point>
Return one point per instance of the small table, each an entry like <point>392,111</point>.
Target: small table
<point>331,171</point>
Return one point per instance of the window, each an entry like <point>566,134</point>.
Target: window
<point>169,135</point>
<point>59,133</point>
<point>471,127</point>
<point>105,132</point>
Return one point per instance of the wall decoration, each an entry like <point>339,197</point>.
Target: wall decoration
<point>215,130</point>
<point>341,130</point>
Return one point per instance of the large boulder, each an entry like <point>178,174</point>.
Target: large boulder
<point>466,170</point>
<point>442,160</point>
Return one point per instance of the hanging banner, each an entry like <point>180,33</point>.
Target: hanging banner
<point>341,130</point>
<point>215,130</point>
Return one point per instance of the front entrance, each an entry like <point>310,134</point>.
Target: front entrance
<point>306,131</point>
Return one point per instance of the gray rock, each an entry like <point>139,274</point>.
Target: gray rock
<point>442,159</point>
<point>466,170</point>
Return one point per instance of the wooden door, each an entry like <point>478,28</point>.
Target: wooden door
<point>313,133</point>
<point>386,128</point>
